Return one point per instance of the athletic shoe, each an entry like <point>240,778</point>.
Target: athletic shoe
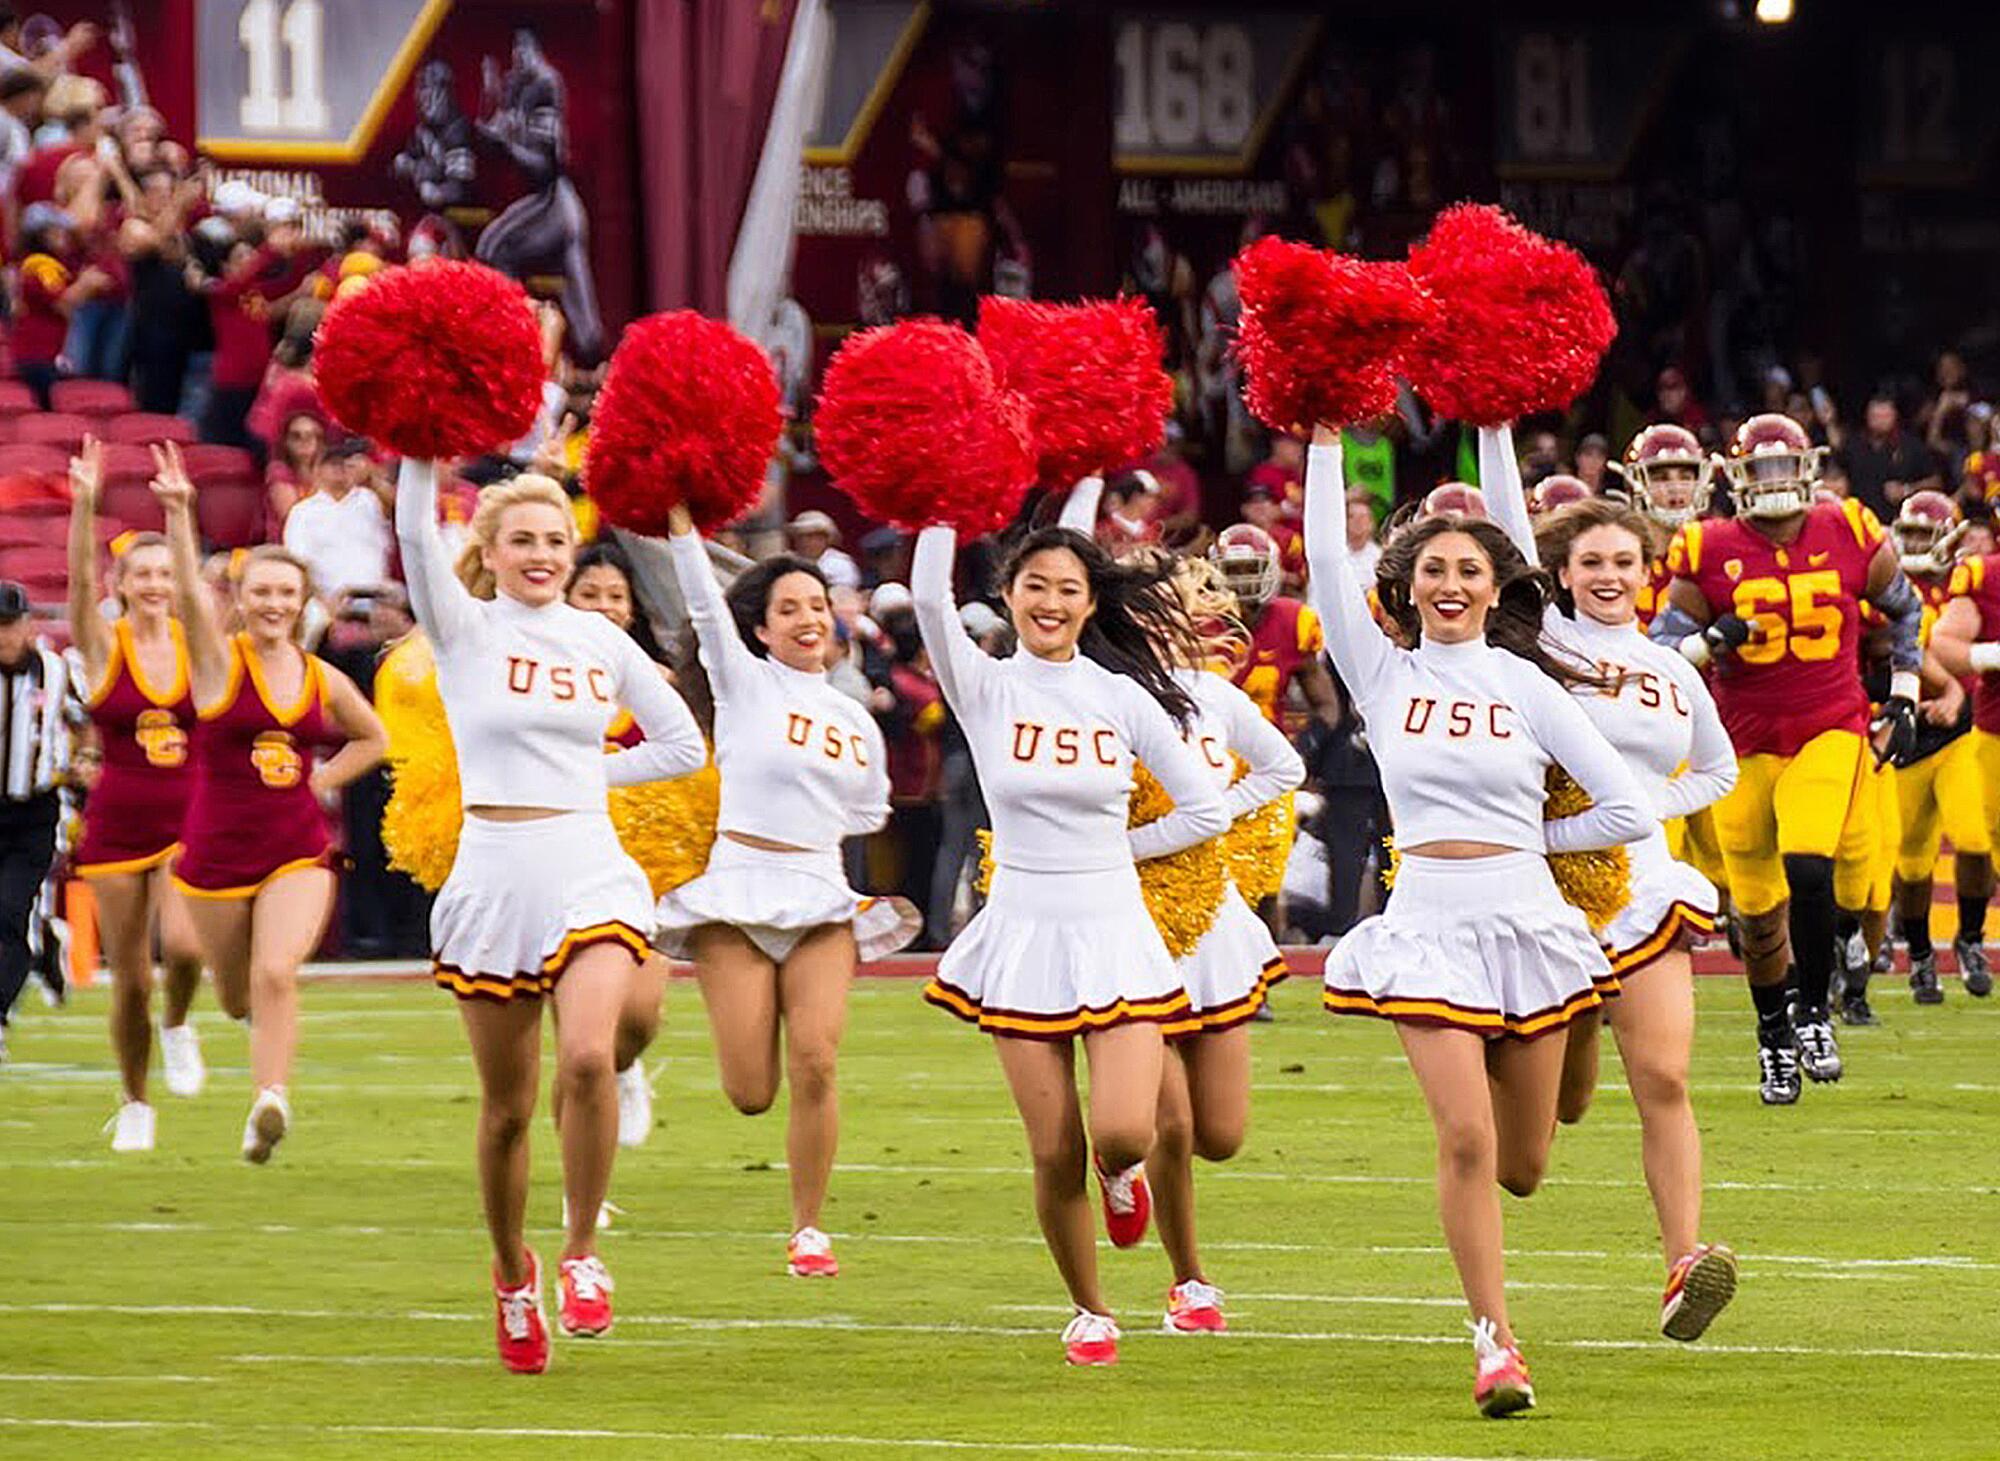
<point>1885,959</point>
<point>1972,967</point>
<point>1924,980</point>
<point>1819,1052</point>
<point>266,1125</point>
<point>1778,1068</point>
<point>1855,1010</point>
<point>1128,1205</point>
<point>180,1052</point>
<point>809,1254</point>
<point>519,1323</point>
<point>1194,1307</point>
<point>635,1105</point>
<point>1091,1339</point>
<point>132,1128</point>
<point>586,1297</point>
<point>1502,1386</point>
<point>1850,965</point>
<point>1700,1287</point>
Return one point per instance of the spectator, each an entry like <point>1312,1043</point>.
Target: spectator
<point>288,386</point>
<point>813,536</point>
<point>341,529</point>
<point>1592,453</point>
<point>1131,502</point>
<point>1178,508</point>
<point>911,732</point>
<point>1264,509</point>
<point>255,285</point>
<point>168,321</point>
<point>1979,473</point>
<point>69,130</point>
<point>961,807</point>
<point>1283,472</point>
<point>78,39</point>
<point>1884,462</point>
<point>1363,552</point>
<point>1369,457</point>
<point>21,94</point>
<point>1674,401</point>
<point>1942,416</point>
<point>1352,819</point>
<point>293,469</point>
<point>52,284</point>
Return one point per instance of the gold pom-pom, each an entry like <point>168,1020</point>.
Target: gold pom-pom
<point>1393,862</point>
<point>420,825</point>
<point>982,881</point>
<point>1598,882</point>
<point>1257,844</point>
<point>1183,890</point>
<point>669,826</point>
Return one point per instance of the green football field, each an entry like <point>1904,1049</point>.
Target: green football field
<point>336,1302</point>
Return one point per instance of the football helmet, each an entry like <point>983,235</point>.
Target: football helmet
<point>1248,559</point>
<point>1772,466</point>
<point>1456,497</point>
<point>1927,529</point>
<point>1669,474</point>
<point>1557,490</point>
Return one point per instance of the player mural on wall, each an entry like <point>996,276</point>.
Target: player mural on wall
<point>438,158</point>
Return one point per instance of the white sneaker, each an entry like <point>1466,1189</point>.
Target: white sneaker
<point>180,1052</point>
<point>635,1105</point>
<point>270,1116</point>
<point>132,1128</point>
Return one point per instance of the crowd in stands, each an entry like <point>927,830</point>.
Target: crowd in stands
<point>147,302</point>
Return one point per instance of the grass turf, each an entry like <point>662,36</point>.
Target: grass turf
<point>334,1304</point>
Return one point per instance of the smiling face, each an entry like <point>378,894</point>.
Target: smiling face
<point>531,553</point>
<point>1605,571</point>
<point>1050,601</point>
<point>798,622</point>
<point>602,589</point>
<point>1453,588</point>
<point>270,599</point>
<point>146,581</point>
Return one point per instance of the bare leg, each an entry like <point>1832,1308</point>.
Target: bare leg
<point>1450,1067</point>
<point>739,987</point>
<point>1525,1076</point>
<point>639,1020</point>
<point>1170,1168</point>
<point>589,995</point>
<point>812,991</point>
<point>1125,1064</point>
<point>222,929</point>
<point>1042,1076</point>
<point>1654,1024</point>
<point>506,1038</point>
<point>1579,1072</point>
<point>286,921</point>
<point>180,952</point>
<point>125,927</point>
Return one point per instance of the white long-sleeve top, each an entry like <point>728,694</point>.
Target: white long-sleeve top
<point>1658,714</point>
<point>1226,721</point>
<point>1463,734</point>
<point>802,761</point>
<point>530,691</point>
<point>1054,742</point>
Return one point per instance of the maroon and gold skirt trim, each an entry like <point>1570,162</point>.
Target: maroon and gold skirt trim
<point>534,983</point>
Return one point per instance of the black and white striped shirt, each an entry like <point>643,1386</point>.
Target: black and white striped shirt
<point>38,707</point>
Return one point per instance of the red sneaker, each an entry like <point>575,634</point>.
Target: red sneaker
<point>1091,1339</point>
<point>1502,1386</point>
<point>519,1323</point>
<point>586,1297</point>
<point>810,1255</point>
<point>1128,1206</point>
<point>1700,1287</point>
<point>1194,1307</point>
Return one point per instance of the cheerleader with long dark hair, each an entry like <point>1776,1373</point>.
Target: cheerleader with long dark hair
<point>1064,950</point>
<point>1478,958</point>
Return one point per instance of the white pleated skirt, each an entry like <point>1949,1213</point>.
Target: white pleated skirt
<point>1671,903</point>
<point>1232,969</point>
<point>775,899</point>
<point>1056,955</point>
<point>1478,943</point>
<point>524,898</point>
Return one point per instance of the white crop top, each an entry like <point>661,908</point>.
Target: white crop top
<point>1054,743</point>
<point>1659,715</point>
<point>802,763</point>
<point>529,692</point>
<point>1463,734</point>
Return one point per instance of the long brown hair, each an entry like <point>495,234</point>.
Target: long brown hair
<point>1514,623</point>
<point>1557,533</point>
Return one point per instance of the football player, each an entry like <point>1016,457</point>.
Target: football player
<point>1285,636</point>
<point>1772,599</point>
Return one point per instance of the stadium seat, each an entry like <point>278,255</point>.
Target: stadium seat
<point>208,463</point>
<point>133,503</point>
<point>90,397</point>
<point>30,560</point>
<point>230,513</point>
<point>140,427</point>
<point>16,399</point>
<point>52,428</point>
<point>36,457</point>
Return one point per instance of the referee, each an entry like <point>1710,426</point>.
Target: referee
<point>34,754</point>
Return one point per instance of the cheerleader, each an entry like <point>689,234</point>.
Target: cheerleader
<point>1659,716</point>
<point>541,900</point>
<point>1064,948</point>
<point>255,861</point>
<point>1477,955</point>
<point>136,666</point>
<point>772,926</point>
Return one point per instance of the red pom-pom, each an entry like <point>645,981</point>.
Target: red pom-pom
<point>1322,335</point>
<point>1097,393</point>
<point>688,414</point>
<point>912,426</point>
<point>1523,321</point>
<point>436,360</point>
